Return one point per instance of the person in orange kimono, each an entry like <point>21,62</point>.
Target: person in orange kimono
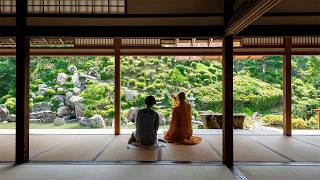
<point>180,130</point>
<point>175,100</point>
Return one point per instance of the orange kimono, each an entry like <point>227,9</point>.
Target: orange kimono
<point>180,130</point>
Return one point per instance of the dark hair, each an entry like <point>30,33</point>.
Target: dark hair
<point>150,101</point>
<point>182,96</point>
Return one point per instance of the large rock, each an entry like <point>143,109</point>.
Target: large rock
<point>83,83</point>
<point>132,114</point>
<point>36,120</point>
<point>79,109</point>
<point>75,79</point>
<point>72,69</point>
<point>47,116</point>
<point>42,106</point>
<point>58,98</point>
<point>4,113</point>
<point>42,89</point>
<point>58,121</point>
<point>60,90</point>
<point>76,90</point>
<point>62,78</point>
<point>35,115</point>
<point>94,72</point>
<point>12,118</point>
<point>85,121</point>
<point>69,94</point>
<point>97,121</point>
<point>63,111</point>
<point>131,94</point>
<point>162,119</point>
<point>88,77</point>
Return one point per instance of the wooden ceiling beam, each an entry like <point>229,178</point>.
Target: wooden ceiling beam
<point>247,13</point>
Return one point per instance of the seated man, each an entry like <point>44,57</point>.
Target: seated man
<point>180,130</point>
<point>147,124</point>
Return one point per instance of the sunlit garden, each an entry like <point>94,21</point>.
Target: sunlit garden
<point>78,92</point>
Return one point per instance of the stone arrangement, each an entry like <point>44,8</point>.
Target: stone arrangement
<point>70,106</point>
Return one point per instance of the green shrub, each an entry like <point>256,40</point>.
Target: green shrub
<point>33,87</point>
<point>206,76</point>
<point>312,123</point>
<point>4,98</point>
<point>140,85</point>
<point>132,82</point>
<point>160,85</point>
<point>56,86</point>
<point>38,81</point>
<point>151,88</point>
<point>273,120</point>
<point>194,64</point>
<point>69,85</point>
<point>277,120</point>
<point>206,81</point>
<point>141,63</point>
<point>39,98</point>
<point>298,123</point>
<point>50,92</point>
<point>138,101</point>
<point>305,107</point>
<point>141,79</point>
<point>212,70</point>
<point>88,113</point>
<point>11,104</point>
<point>106,75</point>
<point>192,77</point>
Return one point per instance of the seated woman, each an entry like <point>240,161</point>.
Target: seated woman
<point>180,130</point>
<point>147,124</point>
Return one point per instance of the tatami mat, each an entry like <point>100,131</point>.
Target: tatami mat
<point>117,151</point>
<point>40,144</point>
<point>114,148</point>
<point>7,147</point>
<point>199,152</point>
<point>290,148</point>
<point>245,149</point>
<point>79,148</point>
<point>248,150</point>
<point>314,140</point>
<point>281,172</point>
<point>114,172</point>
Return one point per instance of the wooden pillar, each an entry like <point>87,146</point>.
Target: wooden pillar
<point>227,73</point>
<point>318,112</point>
<point>117,86</point>
<point>287,129</point>
<point>22,84</point>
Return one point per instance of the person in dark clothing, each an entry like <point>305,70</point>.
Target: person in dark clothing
<point>147,124</point>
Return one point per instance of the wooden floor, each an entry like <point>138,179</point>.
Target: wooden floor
<point>109,148</point>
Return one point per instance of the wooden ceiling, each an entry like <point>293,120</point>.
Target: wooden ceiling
<point>153,13</point>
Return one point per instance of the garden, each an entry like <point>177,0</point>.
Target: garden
<point>78,92</point>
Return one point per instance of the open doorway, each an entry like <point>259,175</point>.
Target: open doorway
<point>7,108</point>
